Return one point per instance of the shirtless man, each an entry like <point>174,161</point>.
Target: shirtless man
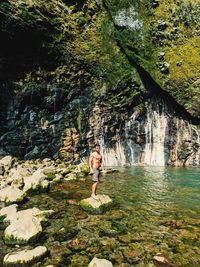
<point>95,162</point>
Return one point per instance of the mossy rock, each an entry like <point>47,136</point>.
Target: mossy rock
<point>11,240</point>
<point>94,206</point>
<point>26,257</point>
<point>50,176</point>
<point>2,217</point>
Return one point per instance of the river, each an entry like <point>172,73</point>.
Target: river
<point>157,210</point>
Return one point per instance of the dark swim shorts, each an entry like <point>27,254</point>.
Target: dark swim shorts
<point>95,177</point>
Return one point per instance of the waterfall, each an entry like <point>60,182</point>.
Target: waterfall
<point>156,137</point>
<point>112,156</point>
<point>155,131</point>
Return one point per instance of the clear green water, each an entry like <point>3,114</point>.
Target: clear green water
<point>157,210</point>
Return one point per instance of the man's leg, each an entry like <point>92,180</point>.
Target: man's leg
<point>94,188</point>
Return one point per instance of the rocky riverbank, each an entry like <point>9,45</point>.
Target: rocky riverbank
<point>150,223</point>
<point>18,181</point>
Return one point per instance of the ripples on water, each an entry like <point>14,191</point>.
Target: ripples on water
<point>158,211</point>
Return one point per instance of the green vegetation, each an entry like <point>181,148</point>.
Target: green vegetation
<point>77,43</point>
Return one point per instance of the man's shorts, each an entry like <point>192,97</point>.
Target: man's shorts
<point>95,177</point>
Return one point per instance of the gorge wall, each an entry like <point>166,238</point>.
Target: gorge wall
<point>149,133</point>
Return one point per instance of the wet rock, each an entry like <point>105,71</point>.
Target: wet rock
<point>125,239</point>
<point>100,263</point>
<point>36,182</point>
<point>161,261</point>
<point>22,230</point>
<point>81,215</point>
<point>73,202</point>
<point>65,234</point>
<point>25,257</point>
<point>77,245</point>
<point>81,260</point>
<point>99,205</point>
<point>11,194</point>
<point>25,225</point>
<point>131,256</point>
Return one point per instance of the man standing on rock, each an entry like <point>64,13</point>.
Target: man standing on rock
<point>95,162</point>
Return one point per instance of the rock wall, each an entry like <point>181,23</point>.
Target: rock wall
<point>155,136</point>
<point>121,73</point>
<point>148,133</point>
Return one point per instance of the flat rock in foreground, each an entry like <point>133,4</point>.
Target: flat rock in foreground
<point>22,231</point>
<point>25,257</point>
<point>100,204</point>
<point>100,263</point>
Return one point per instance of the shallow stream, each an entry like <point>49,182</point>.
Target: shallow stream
<point>156,210</point>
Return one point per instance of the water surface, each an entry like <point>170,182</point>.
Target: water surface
<point>157,210</point>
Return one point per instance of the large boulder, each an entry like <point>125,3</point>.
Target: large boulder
<point>25,257</point>
<point>25,225</point>
<point>12,194</point>
<point>100,263</point>
<point>22,230</point>
<point>36,182</point>
<point>96,205</point>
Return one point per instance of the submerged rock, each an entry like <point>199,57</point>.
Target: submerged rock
<point>161,261</point>
<point>100,263</point>
<point>96,205</point>
<point>24,257</point>
<point>11,194</point>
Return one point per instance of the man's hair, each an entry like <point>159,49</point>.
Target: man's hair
<point>97,145</point>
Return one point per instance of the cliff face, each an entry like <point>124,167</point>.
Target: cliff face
<point>120,73</point>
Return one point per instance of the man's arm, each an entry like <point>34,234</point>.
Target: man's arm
<point>90,162</point>
<point>102,167</point>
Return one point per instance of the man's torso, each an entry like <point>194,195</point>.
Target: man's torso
<point>96,159</point>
